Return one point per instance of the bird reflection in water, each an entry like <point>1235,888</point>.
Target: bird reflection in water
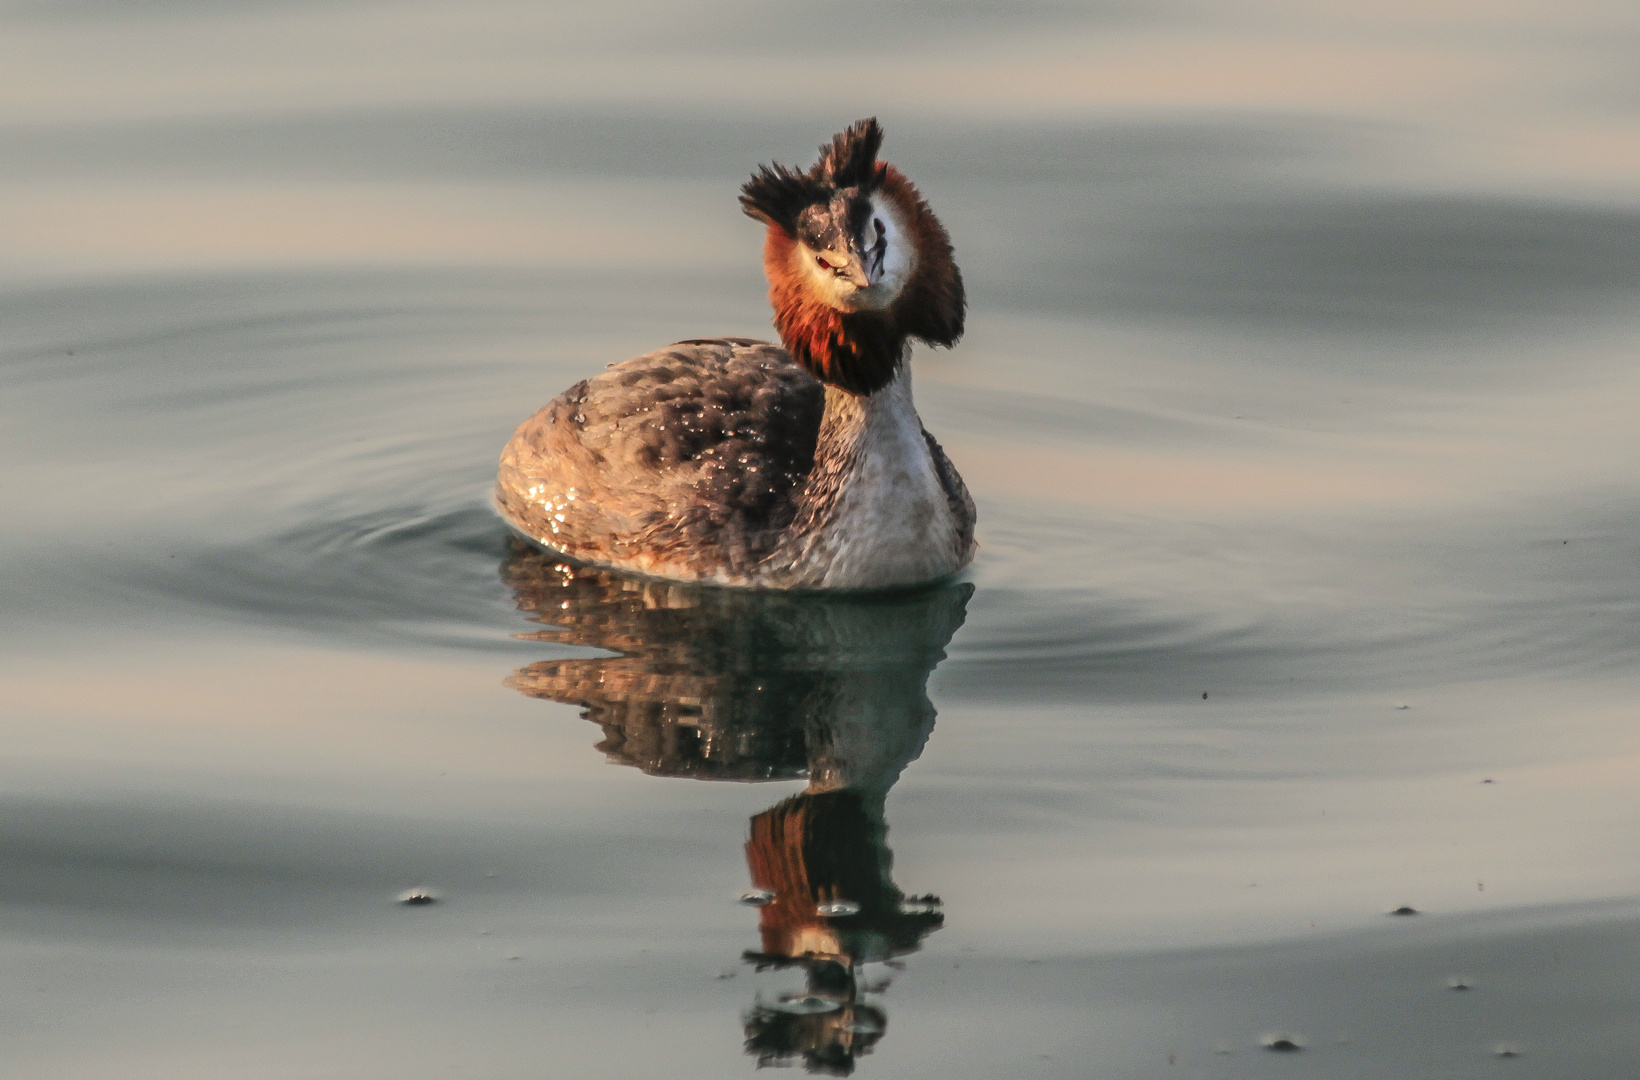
<point>731,684</point>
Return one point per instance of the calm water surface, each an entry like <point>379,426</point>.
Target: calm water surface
<point>1298,400</point>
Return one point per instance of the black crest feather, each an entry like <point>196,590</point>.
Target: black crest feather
<point>777,194</point>
<point>851,159</point>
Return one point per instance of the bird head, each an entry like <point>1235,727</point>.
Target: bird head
<point>859,234</point>
<point>856,260</point>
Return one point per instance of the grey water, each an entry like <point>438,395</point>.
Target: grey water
<point>1297,398</point>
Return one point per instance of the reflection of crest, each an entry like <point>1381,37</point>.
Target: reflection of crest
<point>734,684</point>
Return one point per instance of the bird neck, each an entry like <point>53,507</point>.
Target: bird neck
<point>854,423</point>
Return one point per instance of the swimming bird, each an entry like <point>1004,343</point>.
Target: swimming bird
<point>795,466</point>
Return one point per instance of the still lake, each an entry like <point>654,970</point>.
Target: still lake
<point>1298,400</point>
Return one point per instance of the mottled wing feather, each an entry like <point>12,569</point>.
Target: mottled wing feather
<point>956,495</point>
<point>684,462</point>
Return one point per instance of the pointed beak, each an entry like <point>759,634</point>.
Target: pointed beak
<point>851,267</point>
<point>865,265</point>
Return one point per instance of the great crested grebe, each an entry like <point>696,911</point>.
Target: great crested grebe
<point>737,462</point>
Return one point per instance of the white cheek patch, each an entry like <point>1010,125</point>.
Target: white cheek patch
<point>899,257</point>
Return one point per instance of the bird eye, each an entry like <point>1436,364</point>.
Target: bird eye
<point>824,265</point>
<point>879,224</point>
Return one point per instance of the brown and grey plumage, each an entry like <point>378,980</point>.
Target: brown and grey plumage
<point>738,462</point>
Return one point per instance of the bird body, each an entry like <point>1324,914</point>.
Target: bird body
<point>739,462</point>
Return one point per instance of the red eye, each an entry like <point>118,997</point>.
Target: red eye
<point>824,265</point>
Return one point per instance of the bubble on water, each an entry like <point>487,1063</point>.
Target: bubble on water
<point>1506,1050</point>
<point>807,1005</point>
<point>1281,1044</point>
<point>1459,982</point>
<point>757,897</point>
<point>1406,909</point>
<point>418,897</point>
<point>838,908</point>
